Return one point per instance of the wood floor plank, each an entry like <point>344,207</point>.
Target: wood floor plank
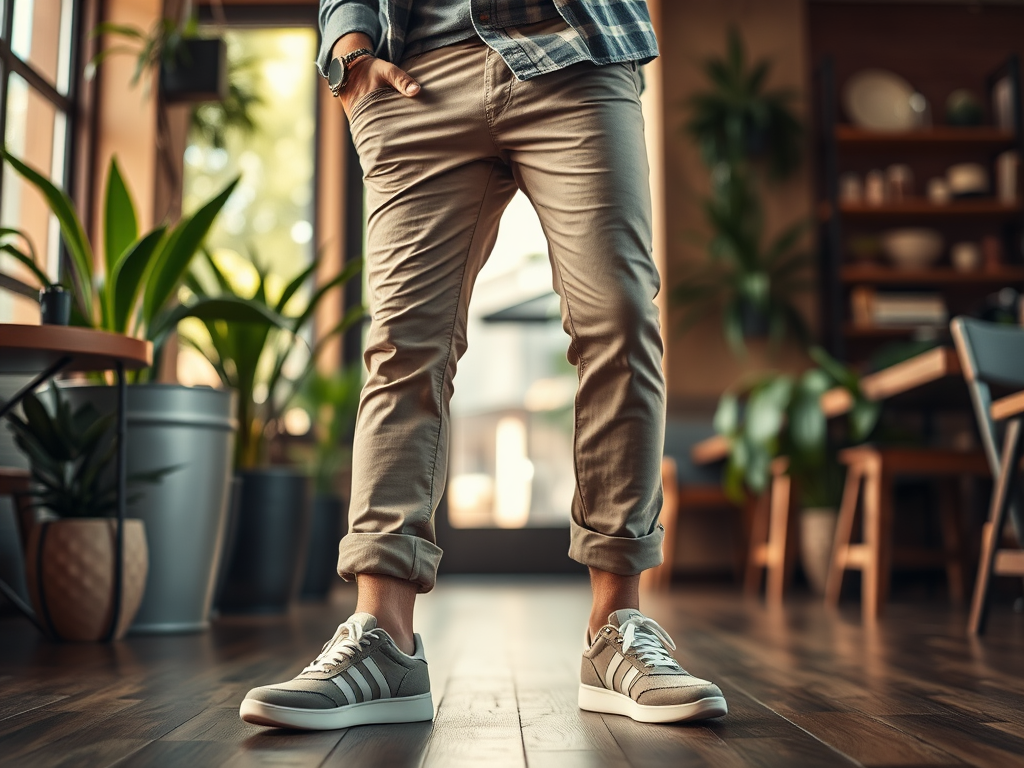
<point>806,687</point>
<point>372,746</point>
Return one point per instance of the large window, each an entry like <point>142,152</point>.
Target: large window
<point>268,221</point>
<point>36,109</point>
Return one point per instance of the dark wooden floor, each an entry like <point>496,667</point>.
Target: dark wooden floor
<point>805,688</point>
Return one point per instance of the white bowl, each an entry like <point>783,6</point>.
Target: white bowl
<point>913,248</point>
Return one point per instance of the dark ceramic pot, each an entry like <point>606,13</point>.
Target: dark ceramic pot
<point>54,306</point>
<point>325,531</point>
<point>267,557</point>
<point>198,73</point>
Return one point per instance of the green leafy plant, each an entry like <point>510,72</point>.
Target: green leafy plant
<point>263,357</point>
<point>162,46</point>
<point>747,133</point>
<point>775,414</point>
<point>739,120</point>
<point>17,245</point>
<point>331,400</point>
<point>70,465</point>
<point>142,271</point>
<point>753,282</point>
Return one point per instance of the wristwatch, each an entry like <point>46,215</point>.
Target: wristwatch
<point>337,72</point>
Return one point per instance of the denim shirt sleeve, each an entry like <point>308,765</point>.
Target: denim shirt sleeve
<point>340,17</point>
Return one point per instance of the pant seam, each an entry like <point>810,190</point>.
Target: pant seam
<point>576,401</point>
<point>451,340</point>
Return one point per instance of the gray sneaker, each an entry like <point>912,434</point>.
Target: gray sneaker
<point>360,677</point>
<point>628,670</point>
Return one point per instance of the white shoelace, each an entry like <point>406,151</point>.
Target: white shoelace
<point>649,641</point>
<point>343,646</point>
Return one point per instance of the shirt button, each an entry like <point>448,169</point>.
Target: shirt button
<point>484,17</point>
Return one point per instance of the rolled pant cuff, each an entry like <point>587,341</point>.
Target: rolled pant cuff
<point>615,554</point>
<point>389,554</point>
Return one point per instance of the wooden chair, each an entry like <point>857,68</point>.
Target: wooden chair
<point>773,537</point>
<point>688,487</point>
<point>870,475</point>
<point>994,354</point>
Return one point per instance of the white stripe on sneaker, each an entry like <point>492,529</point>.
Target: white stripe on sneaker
<point>345,688</point>
<point>627,680</point>
<point>609,674</point>
<point>360,681</point>
<point>374,670</point>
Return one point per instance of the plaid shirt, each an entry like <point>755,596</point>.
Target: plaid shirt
<point>600,31</point>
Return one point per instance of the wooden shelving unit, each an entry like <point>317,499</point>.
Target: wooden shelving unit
<point>849,137</point>
<point>919,210</point>
<point>873,274</point>
<point>844,147</point>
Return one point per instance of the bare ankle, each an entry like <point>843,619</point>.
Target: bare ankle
<point>390,601</point>
<point>612,592</point>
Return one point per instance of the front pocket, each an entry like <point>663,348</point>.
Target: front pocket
<point>375,95</point>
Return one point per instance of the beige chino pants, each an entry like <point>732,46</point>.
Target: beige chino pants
<point>439,170</point>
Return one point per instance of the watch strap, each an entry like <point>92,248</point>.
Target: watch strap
<point>346,62</point>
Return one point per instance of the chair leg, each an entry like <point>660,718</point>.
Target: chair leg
<point>952,539</point>
<point>844,535</point>
<point>778,538</point>
<point>758,538</point>
<point>873,523</point>
<point>1001,496</point>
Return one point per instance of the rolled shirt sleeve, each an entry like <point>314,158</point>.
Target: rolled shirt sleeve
<point>341,17</point>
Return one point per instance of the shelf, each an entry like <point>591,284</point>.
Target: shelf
<point>988,208</point>
<point>881,275</point>
<point>882,333</point>
<point>939,137</point>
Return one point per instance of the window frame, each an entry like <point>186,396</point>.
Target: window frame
<point>67,104</point>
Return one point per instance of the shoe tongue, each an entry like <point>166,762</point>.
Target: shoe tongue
<point>621,616</point>
<point>365,620</point>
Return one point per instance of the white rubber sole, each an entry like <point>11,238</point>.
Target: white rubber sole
<point>408,709</point>
<point>614,703</point>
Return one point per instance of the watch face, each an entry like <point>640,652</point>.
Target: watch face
<point>336,73</point>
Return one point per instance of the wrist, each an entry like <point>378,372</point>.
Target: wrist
<point>353,41</point>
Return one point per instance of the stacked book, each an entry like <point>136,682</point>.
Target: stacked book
<point>874,309</point>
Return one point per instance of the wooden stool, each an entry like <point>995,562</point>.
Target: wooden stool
<point>874,469</point>
<point>677,499</point>
<point>773,538</point>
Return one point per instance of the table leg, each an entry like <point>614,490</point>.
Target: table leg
<point>49,373</point>
<point>5,408</point>
<point>122,482</point>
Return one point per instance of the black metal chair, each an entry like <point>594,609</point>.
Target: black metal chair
<point>993,354</point>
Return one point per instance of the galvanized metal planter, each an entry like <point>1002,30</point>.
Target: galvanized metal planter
<point>192,429</point>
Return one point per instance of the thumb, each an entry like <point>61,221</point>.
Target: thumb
<point>401,81</point>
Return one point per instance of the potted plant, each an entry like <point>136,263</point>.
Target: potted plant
<point>748,135</point>
<point>776,414</point>
<point>70,553</point>
<point>331,402</point>
<point>191,68</point>
<point>54,300</point>
<point>267,365</point>
<point>167,424</point>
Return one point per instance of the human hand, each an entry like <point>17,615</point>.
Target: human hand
<point>368,74</point>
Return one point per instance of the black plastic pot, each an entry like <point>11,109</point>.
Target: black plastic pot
<point>267,556</point>
<point>54,306</point>
<point>198,73</point>
<point>754,321</point>
<point>325,531</point>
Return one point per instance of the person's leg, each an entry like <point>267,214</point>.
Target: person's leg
<point>611,592</point>
<point>576,144</point>
<point>436,189</point>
